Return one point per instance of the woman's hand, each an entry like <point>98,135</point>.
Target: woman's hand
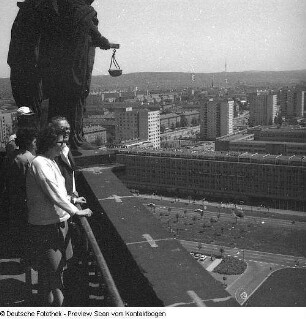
<point>84,212</point>
<point>80,200</point>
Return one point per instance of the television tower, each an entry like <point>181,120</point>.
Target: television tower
<point>225,70</point>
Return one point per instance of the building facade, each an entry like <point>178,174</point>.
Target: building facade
<point>6,126</point>
<point>216,119</point>
<point>293,134</point>
<point>275,180</point>
<point>149,126</point>
<point>278,141</point>
<point>136,123</point>
<point>263,108</point>
<point>292,102</point>
<point>95,134</point>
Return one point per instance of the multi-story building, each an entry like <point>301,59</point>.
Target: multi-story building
<point>294,134</point>
<point>95,133</point>
<point>126,124</point>
<point>170,120</point>
<point>149,126</point>
<point>263,108</point>
<point>6,125</point>
<point>262,147</point>
<point>133,123</point>
<point>274,180</point>
<point>216,119</point>
<point>283,140</point>
<point>292,102</point>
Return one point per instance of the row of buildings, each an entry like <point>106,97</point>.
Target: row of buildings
<point>274,180</point>
<point>285,140</point>
<point>127,122</point>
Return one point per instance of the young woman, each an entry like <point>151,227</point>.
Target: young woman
<point>49,208</point>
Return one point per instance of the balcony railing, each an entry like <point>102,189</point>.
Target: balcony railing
<point>137,262</point>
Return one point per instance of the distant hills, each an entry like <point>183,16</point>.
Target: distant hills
<point>171,80</point>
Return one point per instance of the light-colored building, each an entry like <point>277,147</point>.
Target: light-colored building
<point>216,119</point>
<point>133,123</point>
<point>6,126</point>
<point>149,126</point>
<point>263,108</point>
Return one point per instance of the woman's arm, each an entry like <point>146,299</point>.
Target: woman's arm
<point>45,177</point>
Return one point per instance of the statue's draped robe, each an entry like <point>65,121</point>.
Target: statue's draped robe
<point>23,56</point>
<point>67,62</point>
<point>65,38</point>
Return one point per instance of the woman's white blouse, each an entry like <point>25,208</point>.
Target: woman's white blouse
<point>47,198</point>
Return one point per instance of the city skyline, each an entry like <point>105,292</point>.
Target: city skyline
<point>194,36</point>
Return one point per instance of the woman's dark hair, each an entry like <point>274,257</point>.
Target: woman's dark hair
<point>47,138</point>
<point>25,137</point>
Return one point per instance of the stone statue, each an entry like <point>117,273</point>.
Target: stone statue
<point>23,57</point>
<point>65,34</point>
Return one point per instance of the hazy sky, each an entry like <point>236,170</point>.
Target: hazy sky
<point>193,35</point>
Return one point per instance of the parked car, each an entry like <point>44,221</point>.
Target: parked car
<point>202,258</point>
<point>195,255</point>
<point>198,210</point>
<point>151,205</point>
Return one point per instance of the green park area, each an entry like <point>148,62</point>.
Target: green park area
<point>235,232</point>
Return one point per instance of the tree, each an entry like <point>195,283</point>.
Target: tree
<point>200,245</point>
<point>185,212</point>
<point>221,251</point>
<point>278,120</point>
<point>162,128</point>
<point>98,140</point>
<point>184,121</point>
<point>194,121</point>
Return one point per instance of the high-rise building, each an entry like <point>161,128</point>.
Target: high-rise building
<point>263,108</point>
<point>6,125</point>
<point>126,124</point>
<point>216,118</point>
<point>292,102</point>
<point>132,123</point>
<point>149,126</point>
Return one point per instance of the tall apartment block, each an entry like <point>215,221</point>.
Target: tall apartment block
<point>216,119</point>
<point>132,123</point>
<point>126,124</point>
<point>149,126</point>
<point>6,124</point>
<point>292,103</point>
<point>263,107</point>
